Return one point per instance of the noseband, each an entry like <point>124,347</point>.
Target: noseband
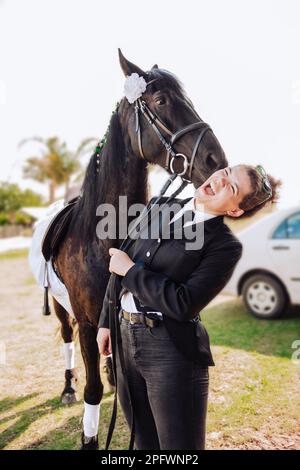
<point>141,107</point>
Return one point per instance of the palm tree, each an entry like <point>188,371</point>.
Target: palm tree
<point>57,164</point>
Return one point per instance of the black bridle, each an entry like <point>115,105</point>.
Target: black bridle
<point>156,124</point>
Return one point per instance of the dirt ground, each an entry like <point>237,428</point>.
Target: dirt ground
<point>31,378</point>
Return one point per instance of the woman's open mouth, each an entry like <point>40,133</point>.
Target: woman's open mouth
<point>209,190</point>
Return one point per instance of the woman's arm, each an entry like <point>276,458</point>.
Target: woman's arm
<point>184,301</point>
<point>104,315</point>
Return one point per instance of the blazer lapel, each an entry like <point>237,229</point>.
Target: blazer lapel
<point>166,217</point>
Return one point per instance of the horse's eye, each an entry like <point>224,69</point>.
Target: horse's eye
<point>160,101</point>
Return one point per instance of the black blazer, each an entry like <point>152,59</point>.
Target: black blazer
<point>180,282</point>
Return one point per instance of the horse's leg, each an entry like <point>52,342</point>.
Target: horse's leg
<point>93,390</point>
<point>69,393</point>
<point>106,374</point>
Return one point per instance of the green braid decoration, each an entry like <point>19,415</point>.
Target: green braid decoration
<point>102,142</point>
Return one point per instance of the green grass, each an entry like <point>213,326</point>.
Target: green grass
<point>260,379</point>
<point>254,391</point>
<point>229,324</point>
<point>14,254</point>
<point>30,410</point>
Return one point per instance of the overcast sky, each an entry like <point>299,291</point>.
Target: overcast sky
<point>239,61</point>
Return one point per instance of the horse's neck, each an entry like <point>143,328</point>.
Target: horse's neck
<point>135,181</point>
<point>133,185</point>
<point>135,189</point>
<point>120,173</point>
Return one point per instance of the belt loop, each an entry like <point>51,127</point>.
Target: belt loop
<point>143,318</point>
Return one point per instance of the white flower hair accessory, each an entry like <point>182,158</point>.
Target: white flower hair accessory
<point>134,87</point>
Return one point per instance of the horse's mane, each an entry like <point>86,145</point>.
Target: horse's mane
<point>102,185</point>
<point>171,82</point>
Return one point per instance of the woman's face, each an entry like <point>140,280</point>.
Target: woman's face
<point>223,191</point>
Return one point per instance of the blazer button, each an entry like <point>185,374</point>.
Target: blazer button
<point>148,254</point>
<point>158,240</point>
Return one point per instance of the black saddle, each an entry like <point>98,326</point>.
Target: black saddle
<point>57,230</point>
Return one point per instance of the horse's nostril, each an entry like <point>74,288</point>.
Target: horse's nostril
<point>212,161</point>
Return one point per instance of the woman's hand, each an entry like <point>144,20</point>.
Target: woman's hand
<point>120,262</point>
<point>104,341</point>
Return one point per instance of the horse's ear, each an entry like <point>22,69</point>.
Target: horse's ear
<point>155,66</point>
<point>128,67</point>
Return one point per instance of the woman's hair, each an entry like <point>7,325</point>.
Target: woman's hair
<point>258,197</point>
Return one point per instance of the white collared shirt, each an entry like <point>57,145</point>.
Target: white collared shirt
<point>200,216</point>
<point>127,300</point>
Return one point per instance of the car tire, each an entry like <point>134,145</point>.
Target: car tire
<point>264,296</point>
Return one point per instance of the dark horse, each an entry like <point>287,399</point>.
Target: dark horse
<point>82,260</point>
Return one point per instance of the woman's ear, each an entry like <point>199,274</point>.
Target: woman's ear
<point>235,212</point>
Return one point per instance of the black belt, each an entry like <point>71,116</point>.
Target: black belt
<point>135,317</point>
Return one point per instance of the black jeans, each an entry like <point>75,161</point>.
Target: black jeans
<point>169,393</point>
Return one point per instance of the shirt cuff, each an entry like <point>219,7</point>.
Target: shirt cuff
<point>128,280</point>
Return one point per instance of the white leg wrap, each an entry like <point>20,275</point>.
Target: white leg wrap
<point>69,355</point>
<point>91,419</point>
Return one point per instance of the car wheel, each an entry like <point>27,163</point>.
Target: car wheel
<point>264,297</point>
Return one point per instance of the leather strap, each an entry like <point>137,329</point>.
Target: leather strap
<point>195,150</point>
<point>116,343</point>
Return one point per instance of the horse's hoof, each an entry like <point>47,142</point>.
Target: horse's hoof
<point>89,443</point>
<point>69,398</point>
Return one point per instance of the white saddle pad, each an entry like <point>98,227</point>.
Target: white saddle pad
<point>38,264</point>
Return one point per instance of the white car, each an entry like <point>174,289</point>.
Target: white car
<point>268,273</point>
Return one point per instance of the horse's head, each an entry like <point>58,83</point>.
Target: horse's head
<point>164,128</point>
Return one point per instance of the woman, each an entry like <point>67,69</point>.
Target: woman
<point>164,287</point>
